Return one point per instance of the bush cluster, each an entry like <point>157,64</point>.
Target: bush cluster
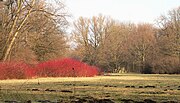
<point>55,68</point>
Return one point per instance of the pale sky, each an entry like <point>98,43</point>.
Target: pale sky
<point>136,11</point>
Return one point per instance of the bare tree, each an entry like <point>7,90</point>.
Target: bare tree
<point>89,35</point>
<point>141,43</point>
<point>22,24</point>
<point>17,23</point>
<point>169,33</point>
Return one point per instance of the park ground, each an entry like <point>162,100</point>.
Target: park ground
<point>111,88</point>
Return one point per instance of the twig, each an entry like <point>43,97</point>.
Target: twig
<point>74,85</point>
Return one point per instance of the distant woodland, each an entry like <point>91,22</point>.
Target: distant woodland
<point>35,31</point>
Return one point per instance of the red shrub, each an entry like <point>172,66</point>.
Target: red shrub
<point>55,68</point>
<point>30,72</point>
<point>65,68</point>
<point>13,70</point>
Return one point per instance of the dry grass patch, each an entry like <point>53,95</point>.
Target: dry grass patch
<point>159,88</point>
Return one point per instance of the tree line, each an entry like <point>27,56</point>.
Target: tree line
<point>34,31</point>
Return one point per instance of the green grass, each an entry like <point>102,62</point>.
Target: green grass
<point>101,87</point>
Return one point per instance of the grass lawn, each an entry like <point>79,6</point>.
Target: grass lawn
<point>118,88</point>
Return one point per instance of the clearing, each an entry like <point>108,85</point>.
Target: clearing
<point>114,88</point>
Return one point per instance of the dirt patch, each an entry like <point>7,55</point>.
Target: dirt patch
<point>132,86</point>
<point>127,100</point>
<point>132,101</point>
<point>28,101</point>
<point>153,93</point>
<point>91,100</point>
<point>67,91</point>
<point>44,101</point>
<point>149,86</point>
<point>140,86</point>
<point>50,90</point>
<point>109,86</point>
<point>68,84</point>
<point>165,89</point>
<point>35,89</point>
<point>129,86</point>
<point>149,101</point>
<point>13,101</point>
<point>170,102</point>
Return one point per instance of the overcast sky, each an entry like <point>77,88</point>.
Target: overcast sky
<point>135,11</point>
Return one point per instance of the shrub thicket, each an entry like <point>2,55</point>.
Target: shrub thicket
<point>55,68</point>
<point>65,68</point>
<point>13,70</point>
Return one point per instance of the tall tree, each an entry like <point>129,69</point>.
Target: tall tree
<point>114,52</point>
<point>89,34</point>
<point>22,25</point>
<point>17,12</point>
<point>141,44</point>
<point>169,34</point>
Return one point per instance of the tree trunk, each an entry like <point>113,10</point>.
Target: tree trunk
<point>12,41</point>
